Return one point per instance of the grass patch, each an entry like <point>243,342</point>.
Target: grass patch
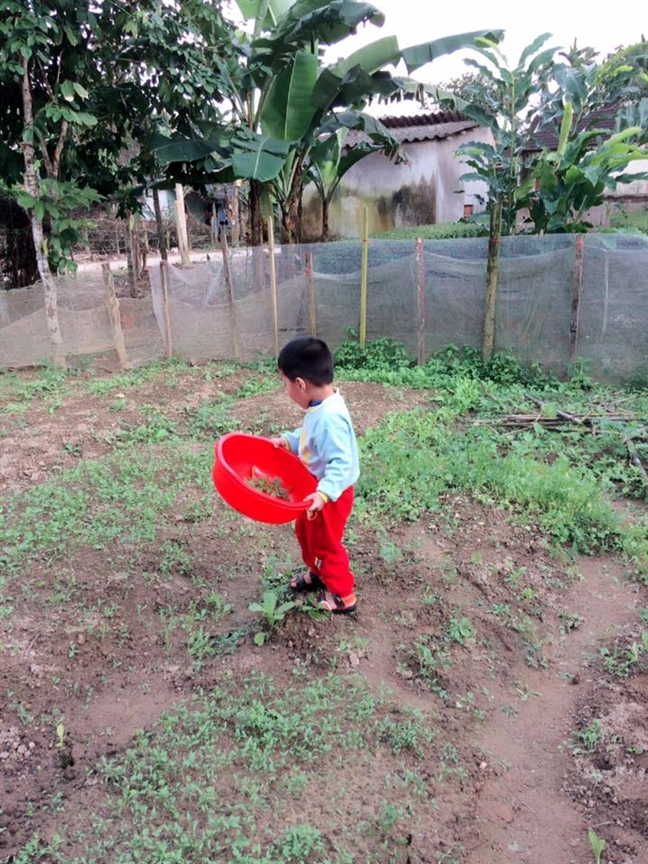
<point>238,759</point>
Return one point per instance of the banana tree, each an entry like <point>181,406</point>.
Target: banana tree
<point>306,100</point>
<point>329,162</point>
<point>282,95</point>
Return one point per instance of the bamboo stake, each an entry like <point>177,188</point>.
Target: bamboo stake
<point>577,285</point>
<point>310,283</point>
<point>273,285</point>
<point>112,304</point>
<point>364,279</point>
<point>420,291</point>
<point>227,271</point>
<point>165,306</point>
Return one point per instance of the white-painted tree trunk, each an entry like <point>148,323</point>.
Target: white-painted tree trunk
<point>32,186</point>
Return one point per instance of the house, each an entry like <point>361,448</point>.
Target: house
<point>425,190</point>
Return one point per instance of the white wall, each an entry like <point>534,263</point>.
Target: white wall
<point>434,170</point>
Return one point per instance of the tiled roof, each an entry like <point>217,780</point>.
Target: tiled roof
<point>601,118</point>
<point>421,127</point>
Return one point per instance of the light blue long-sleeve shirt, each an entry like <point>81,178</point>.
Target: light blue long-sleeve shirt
<point>326,444</point>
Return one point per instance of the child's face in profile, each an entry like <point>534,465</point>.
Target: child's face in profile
<point>297,390</point>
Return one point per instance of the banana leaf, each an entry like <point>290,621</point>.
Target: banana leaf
<point>420,55</point>
<point>288,107</point>
<point>271,11</point>
<point>179,148</point>
<point>258,157</point>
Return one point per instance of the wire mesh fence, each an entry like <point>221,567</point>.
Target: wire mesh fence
<point>560,298</point>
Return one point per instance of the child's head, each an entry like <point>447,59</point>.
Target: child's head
<point>306,366</point>
<point>309,358</point>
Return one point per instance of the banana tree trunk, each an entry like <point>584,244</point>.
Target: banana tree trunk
<point>325,219</point>
<point>255,215</point>
<point>290,213</point>
<point>290,224</point>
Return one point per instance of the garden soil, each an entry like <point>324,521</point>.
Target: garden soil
<point>527,796</point>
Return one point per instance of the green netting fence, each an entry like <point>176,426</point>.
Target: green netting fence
<point>560,298</point>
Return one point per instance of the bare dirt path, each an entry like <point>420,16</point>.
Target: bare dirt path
<point>524,814</point>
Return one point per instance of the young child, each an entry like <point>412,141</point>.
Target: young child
<point>327,445</point>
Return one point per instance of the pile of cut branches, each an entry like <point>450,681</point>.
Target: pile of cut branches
<point>551,417</point>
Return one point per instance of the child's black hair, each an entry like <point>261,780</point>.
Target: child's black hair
<point>309,358</point>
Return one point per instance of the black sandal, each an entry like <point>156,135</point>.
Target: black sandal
<point>305,582</point>
<point>335,604</point>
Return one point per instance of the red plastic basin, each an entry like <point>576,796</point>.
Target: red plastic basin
<point>241,458</point>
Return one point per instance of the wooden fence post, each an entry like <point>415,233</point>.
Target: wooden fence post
<point>420,293</point>
<point>181,225</point>
<point>112,304</point>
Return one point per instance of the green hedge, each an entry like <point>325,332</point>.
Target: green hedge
<point>443,231</point>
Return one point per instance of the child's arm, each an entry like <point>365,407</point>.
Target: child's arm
<point>342,468</point>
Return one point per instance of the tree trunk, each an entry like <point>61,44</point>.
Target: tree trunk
<point>290,221</point>
<point>159,226</point>
<point>325,219</point>
<point>255,216</point>
<point>132,253</point>
<point>492,272</point>
<point>33,187</point>
<point>577,285</point>
<point>20,257</point>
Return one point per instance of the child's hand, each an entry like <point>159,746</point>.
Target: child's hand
<point>317,502</point>
<point>280,442</point>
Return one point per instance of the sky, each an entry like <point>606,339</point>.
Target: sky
<point>604,26</point>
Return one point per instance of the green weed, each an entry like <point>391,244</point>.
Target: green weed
<point>273,611</point>
<point>461,630</point>
<point>598,845</point>
<point>586,740</point>
<point>624,661</point>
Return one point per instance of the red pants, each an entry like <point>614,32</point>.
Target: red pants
<point>321,543</point>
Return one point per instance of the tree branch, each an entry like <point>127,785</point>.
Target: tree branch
<point>58,152</point>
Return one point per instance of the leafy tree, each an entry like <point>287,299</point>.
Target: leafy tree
<point>503,103</point>
<point>470,88</point>
<point>82,81</point>
<point>570,97</point>
<point>589,157</point>
<point>557,186</point>
<point>44,105</point>
<point>573,178</point>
